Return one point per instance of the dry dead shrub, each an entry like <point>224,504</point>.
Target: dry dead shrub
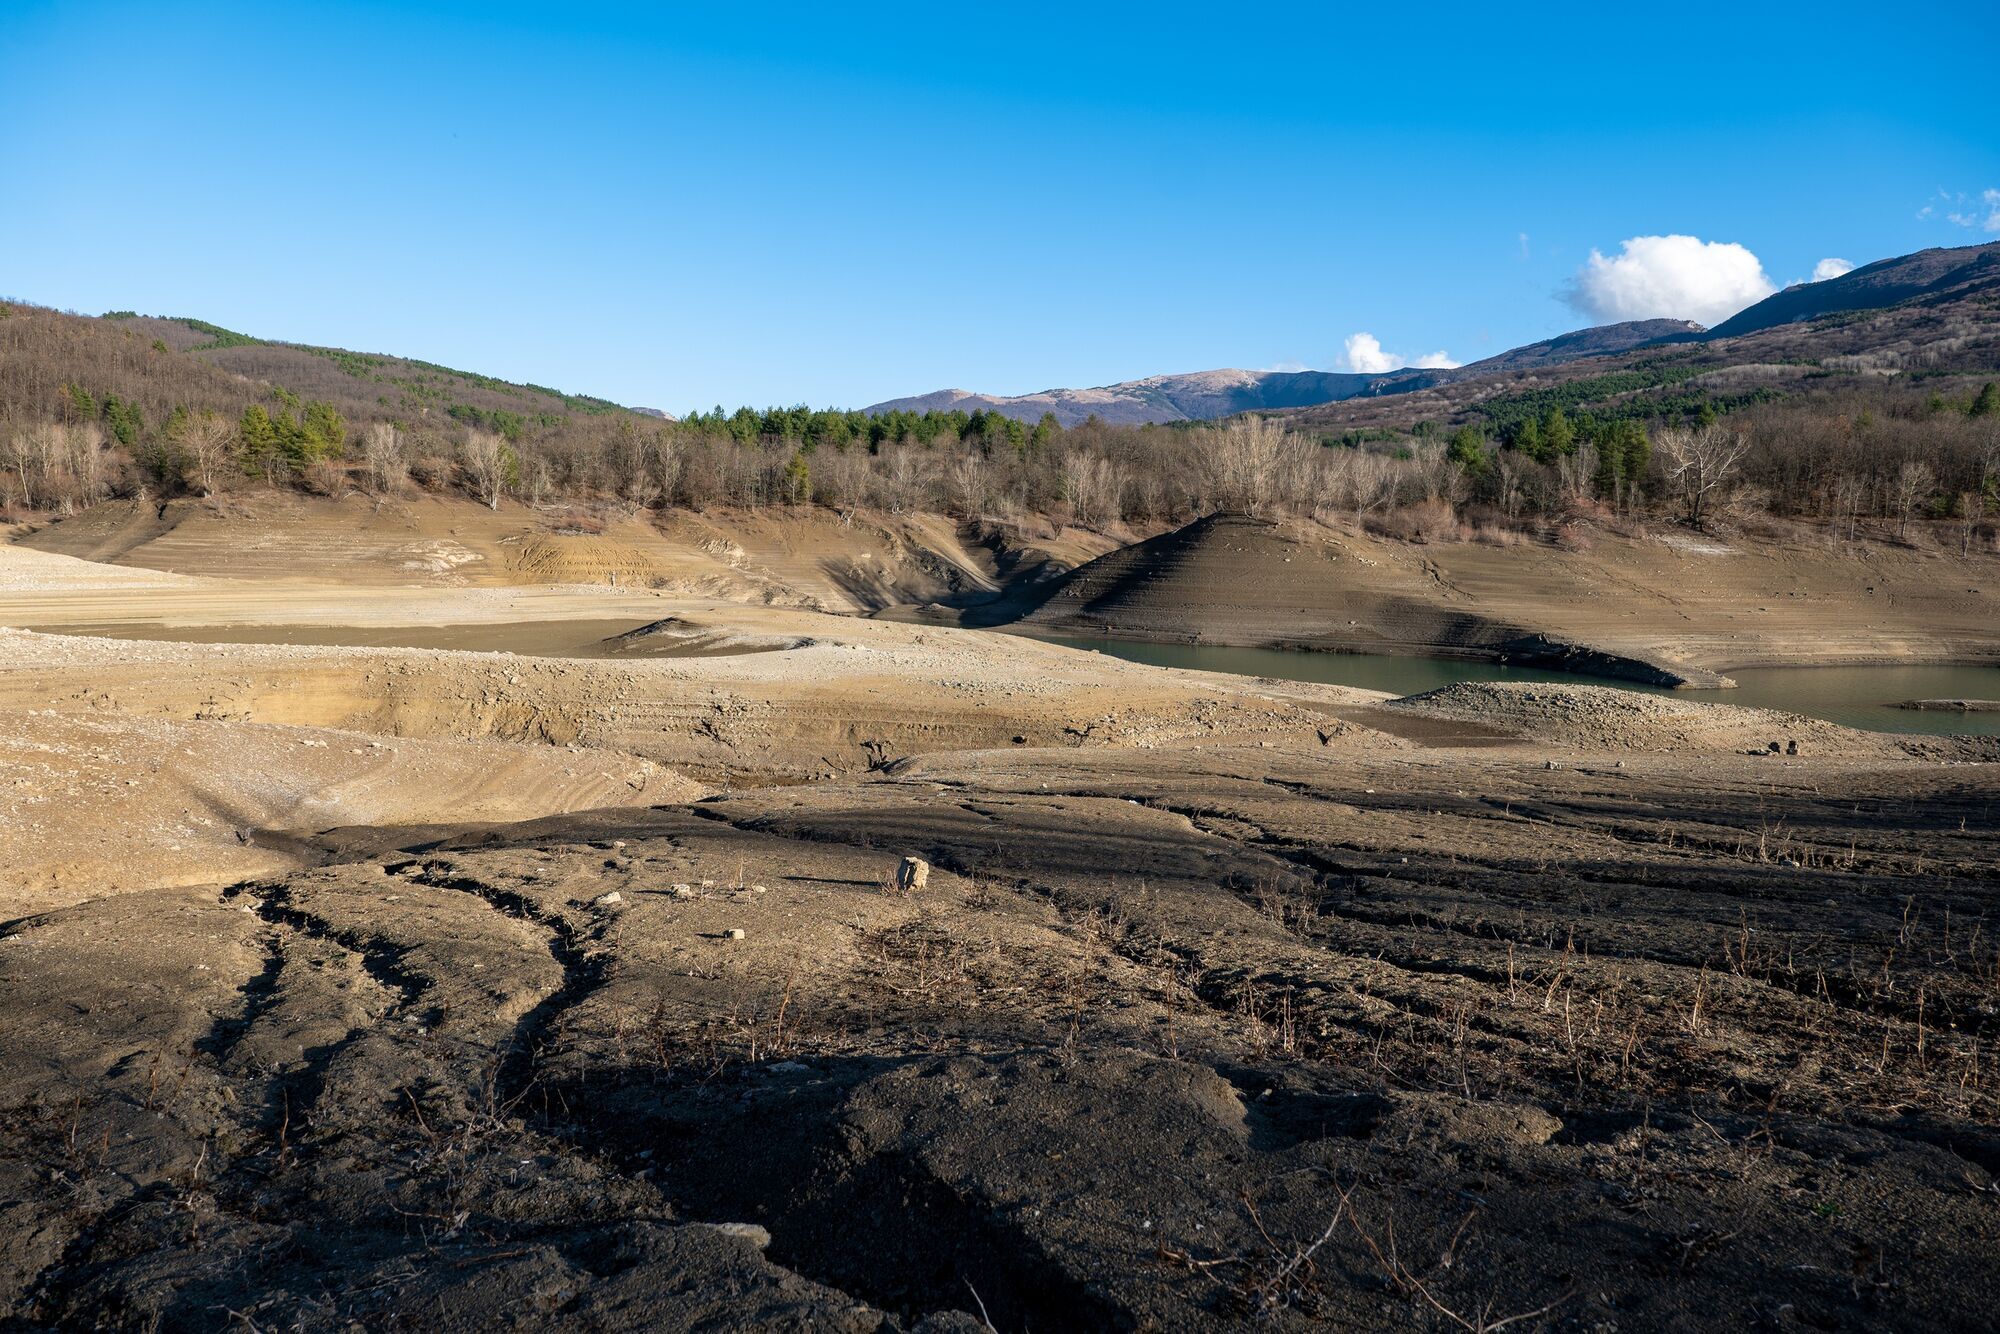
<point>1426,521</point>
<point>1573,537</point>
<point>573,522</point>
<point>1767,528</point>
<point>323,477</point>
<point>431,472</point>
<point>1492,535</point>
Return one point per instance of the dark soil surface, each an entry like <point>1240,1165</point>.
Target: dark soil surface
<point>1173,1039</point>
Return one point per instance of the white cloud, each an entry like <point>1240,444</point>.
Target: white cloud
<point>1365,355</point>
<point>1831,268</point>
<point>1670,277</point>
<point>1984,215</point>
<point>1980,212</point>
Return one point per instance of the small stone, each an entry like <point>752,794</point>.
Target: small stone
<point>758,889</point>
<point>756,1235</point>
<point>611,900</point>
<point>912,874</point>
<point>734,933</point>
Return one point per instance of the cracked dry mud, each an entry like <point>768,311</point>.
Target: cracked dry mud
<point>1173,1039</point>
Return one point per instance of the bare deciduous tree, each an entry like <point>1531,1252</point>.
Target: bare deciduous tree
<point>489,463</point>
<point>1915,481</point>
<point>1241,461</point>
<point>382,454</point>
<point>1699,463</point>
<point>207,443</point>
<point>1091,484</point>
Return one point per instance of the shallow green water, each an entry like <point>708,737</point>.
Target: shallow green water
<point>1862,697</point>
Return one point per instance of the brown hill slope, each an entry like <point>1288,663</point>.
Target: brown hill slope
<point>1950,335</point>
<point>160,364</point>
<point>1935,274</point>
<point>1659,606</point>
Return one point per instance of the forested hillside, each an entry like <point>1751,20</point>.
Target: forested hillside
<point>1873,419</point>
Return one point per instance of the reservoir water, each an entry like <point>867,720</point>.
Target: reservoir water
<point>1863,697</point>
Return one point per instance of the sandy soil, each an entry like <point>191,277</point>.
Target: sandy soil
<point>102,802</point>
<point>1227,1002</point>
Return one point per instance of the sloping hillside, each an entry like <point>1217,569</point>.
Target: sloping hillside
<point>1937,275</point>
<point>1935,314</point>
<point>159,364</point>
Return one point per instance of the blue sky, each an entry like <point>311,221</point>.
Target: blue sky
<point>834,205</point>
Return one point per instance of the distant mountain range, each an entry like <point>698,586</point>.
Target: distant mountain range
<point>1207,395</point>
<point>1937,311</point>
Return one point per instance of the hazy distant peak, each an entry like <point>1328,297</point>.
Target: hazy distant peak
<point>1207,395</point>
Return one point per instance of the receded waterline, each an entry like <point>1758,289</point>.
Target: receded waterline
<point>1862,697</point>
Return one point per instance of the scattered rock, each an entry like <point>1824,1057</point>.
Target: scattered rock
<point>734,933</point>
<point>754,1233</point>
<point>611,900</point>
<point>913,874</point>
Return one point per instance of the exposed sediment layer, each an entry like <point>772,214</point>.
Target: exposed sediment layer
<point>1241,581</point>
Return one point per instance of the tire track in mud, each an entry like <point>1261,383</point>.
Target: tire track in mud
<point>583,969</point>
<point>292,1097</point>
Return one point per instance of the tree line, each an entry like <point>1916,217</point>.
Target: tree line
<point>83,418</point>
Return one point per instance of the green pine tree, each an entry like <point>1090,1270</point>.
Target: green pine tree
<point>798,479</point>
<point>1528,439</point>
<point>1468,450</point>
<point>258,436</point>
<point>1558,436</point>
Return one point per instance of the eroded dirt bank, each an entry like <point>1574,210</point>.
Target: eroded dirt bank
<point>1654,602</point>
<point>1666,607</point>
